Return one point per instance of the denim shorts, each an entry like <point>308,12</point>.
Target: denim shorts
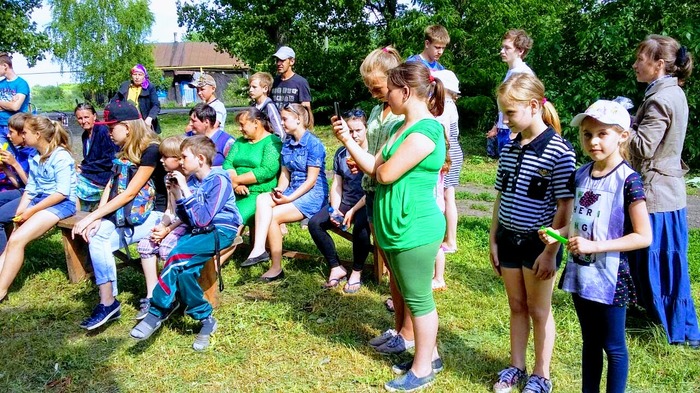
<point>63,209</point>
<point>520,249</point>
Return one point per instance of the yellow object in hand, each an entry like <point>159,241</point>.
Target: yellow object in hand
<point>16,218</point>
<point>4,146</point>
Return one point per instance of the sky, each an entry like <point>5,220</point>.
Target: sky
<point>46,72</point>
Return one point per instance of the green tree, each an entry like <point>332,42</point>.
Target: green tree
<point>20,33</point>
<point>330,37</point>
<point>104,38</point>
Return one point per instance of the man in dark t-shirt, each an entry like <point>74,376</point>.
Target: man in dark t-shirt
<point>289,87</point>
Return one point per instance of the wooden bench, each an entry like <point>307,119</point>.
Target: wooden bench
<point>80,267</point>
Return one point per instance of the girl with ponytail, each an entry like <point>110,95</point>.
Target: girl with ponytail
<point>49,195</point>
<point>408,222</point>
<point>533,172</point>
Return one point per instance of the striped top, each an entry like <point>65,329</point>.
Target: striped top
<point>531,178</point>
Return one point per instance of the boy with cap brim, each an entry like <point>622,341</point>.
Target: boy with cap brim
<point>206,87</point>
<point>289,87</point>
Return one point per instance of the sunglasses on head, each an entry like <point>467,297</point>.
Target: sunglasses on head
<point>354,113</point>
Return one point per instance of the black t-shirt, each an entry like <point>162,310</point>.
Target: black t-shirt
<point>151,157</point>
<point>293,90</point>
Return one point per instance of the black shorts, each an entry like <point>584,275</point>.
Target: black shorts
<point>520,249</point>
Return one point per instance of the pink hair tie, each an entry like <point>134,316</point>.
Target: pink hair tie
<point>431,78</point>
<point>384,49</point>
<point>544,101</point>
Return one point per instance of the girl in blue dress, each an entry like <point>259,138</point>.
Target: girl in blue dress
<point>301,192</point>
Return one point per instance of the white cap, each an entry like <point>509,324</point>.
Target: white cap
<point>606,112</point>
<point>449,80</point>
<point>284,53</point>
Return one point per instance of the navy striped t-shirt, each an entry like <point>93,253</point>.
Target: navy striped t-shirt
<point>531,179</point>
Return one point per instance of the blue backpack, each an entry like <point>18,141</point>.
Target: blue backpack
<point>136,211</point>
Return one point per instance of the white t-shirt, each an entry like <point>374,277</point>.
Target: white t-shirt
<point>520,68</point>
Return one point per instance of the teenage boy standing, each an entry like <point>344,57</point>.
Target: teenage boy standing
<point>14,94</point>
<point>436,40</point>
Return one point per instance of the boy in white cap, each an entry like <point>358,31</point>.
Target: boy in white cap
<point>289,87</point>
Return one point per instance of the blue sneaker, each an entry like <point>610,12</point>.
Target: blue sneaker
<point>395,345</point>
<point>409,382</point>
<point>101,315</point>
<point>402,368</point>
<point>537,384</point>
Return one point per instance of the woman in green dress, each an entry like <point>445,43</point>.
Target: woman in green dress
<point>254,161</point>
<point>408,223</point>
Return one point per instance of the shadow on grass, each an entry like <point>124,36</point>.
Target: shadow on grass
<point>46,351</point>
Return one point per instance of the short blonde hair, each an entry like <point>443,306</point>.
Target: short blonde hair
<point>265,79</point>
<point>170,147</point>
<point>436,34</point>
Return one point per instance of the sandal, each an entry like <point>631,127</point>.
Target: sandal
<point>333,282</point>
<point>439,286</point>
<point>146,327</point>
<point>350,291</point>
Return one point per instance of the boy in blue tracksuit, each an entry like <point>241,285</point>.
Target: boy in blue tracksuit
<point>211,203</point>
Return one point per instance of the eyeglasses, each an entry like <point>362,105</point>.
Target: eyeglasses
<point>355,113</point>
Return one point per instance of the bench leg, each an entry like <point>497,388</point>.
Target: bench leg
<point>208,279</point>
<point>379,261</point>
<point>77,256</point>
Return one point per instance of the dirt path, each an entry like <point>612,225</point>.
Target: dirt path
<point>471,203</point>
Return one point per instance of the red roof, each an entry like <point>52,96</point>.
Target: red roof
<point>194,55</point>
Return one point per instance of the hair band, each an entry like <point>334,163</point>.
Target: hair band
<point>544,100</point>
<point>431,78</point>
<point>385,50</point>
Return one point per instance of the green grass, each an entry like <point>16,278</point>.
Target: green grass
<point>292,336</point>
<point>482,196</point>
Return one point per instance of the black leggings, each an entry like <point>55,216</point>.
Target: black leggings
<point>319,225</point>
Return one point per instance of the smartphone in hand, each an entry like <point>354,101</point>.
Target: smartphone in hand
<point>336,108</point>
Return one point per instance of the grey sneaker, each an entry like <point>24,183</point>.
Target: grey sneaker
<point>209,325</point>
<point>144,306</point>
<point>402,368</point>
<point>395,345</point>
<point>382,338</point>
<point>537,384</point>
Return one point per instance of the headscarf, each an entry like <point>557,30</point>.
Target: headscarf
<point>141,68</point>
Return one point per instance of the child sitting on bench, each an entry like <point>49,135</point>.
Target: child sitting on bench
<point>210,210</point>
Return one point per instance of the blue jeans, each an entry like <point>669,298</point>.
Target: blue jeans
<point>602,329</point>
<point>9,200</point>
<point>110,238</point>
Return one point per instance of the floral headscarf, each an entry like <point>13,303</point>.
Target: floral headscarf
<point>141,68</point>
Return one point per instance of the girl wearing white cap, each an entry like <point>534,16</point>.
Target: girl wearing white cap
<point>609,218</point>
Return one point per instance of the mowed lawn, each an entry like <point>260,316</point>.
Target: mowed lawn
<point>292,336</point>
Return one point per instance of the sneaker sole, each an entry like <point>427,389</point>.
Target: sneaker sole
<point>421,387</point>
<point>109,318</point>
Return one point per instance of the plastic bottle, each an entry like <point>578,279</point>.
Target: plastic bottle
<point>338,217</point>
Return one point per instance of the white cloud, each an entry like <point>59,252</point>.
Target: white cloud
<point>46,72</point>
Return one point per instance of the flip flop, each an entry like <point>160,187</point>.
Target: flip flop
<point>332,283</point>
<point>350,284</point>
<point>448,250</point>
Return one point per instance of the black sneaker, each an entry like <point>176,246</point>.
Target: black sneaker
<point>144,306</point>
<point>101,315</point>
